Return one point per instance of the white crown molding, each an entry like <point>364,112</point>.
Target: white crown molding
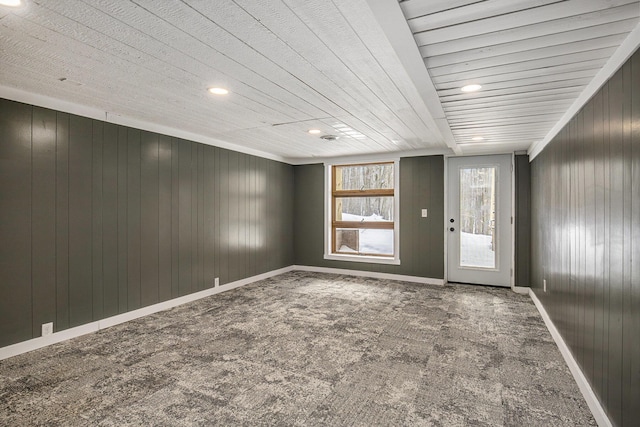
<point>583,384</point>
<point>617,60</point>
<point>376,157</point>
<point>44,101</point>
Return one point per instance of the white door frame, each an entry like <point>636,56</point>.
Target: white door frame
<point>446,216</point>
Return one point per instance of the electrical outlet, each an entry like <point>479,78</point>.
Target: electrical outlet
<point>47,329</point>
<point>424,213</point>
<point>216,282</point>
<point>544,285</point>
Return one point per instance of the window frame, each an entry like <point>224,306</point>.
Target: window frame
<point>331,224</point>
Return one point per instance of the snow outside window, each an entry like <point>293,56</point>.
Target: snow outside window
<point>362,212</point>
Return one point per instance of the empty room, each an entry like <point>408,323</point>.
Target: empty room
<point>320,213</point>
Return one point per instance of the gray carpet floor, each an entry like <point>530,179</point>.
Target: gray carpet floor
<point>307,349</point>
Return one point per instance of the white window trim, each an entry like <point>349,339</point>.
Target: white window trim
<point>395,260</point>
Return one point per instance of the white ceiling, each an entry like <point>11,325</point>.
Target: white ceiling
<point>352,68</point>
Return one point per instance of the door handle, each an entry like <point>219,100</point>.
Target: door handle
<point>452,229</point>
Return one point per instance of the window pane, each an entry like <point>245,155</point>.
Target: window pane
<point>364,241</point>
<point>364,208</point>
<point>477,217</point>
<point>364,177</point>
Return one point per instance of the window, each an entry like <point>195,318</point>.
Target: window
<point>362,212</point>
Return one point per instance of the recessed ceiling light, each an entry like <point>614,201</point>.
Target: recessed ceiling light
<point>470,88</point>
<point>13,3</point>
<point>218,90</point>
<point>477,138</point>
<point>314,131</point>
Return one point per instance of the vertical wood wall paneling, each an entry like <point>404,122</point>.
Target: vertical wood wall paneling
<point>598,241</point>
<point>165,242</point>
<point>217,213</point>
<point>208,219</point>
<point>175,217</point>
<point>632,412</point>
<point>15,222</point>
<point>242,212</point>
<point>100,219</point>
<point>184,214</point>
<point>233,208</point>
<point>289,181</point>
<point>626,315</point>
<point>436,209</point>
<point>261,260</point>
<point>223,179</point>
<point>275,199</point>
<point>195,256</point>
<point>607,246</point>
<point>133,218</point>
<point>580,238</point>
<point>586,222</point>
<point>150,224</point>
<point>616,246</point>
<point>202,184</point>
<point>110,219</point>
<point>252,201</point>
<point>62,222</point>
<point>589,235</point>
<point>123,229</point>
<point>97,271</point>
<point>269,205</point>
<point>308,194</point>
<point>423,183</point>
<point>43,228</point>
<point>80,221</point>
<point>522,221</point>
<point>406,192</point>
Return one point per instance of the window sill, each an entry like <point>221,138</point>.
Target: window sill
<point>365,259</point>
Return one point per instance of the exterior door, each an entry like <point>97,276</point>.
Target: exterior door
<point>479,220</point>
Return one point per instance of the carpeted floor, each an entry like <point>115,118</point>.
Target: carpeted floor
<point>307,349</point>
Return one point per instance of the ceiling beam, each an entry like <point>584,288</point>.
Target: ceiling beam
<point>394,25</point>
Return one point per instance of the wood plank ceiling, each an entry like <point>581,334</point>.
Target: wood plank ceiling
<point>531,57</point>
<point>293,65</point>
<point>289,65</point>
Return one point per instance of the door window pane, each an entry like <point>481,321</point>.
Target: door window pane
<point>478,217</point>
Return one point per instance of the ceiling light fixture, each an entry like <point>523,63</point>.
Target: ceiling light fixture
<point>477,138</point>
<point>314,131</point>
<point>218,90</point>
<point>329,137</point>
<point>471,88</point>
<point>12,3</point>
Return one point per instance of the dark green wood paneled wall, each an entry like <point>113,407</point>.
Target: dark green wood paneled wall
<point>98,219</point>
<point>523,221</point>
<point>586,240</point>
<point>421,239</point>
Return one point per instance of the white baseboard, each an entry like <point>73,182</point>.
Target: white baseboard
<point>373,274</point>
<point>36,343</point>
<point>594,404</point>
<point>522,290</point>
